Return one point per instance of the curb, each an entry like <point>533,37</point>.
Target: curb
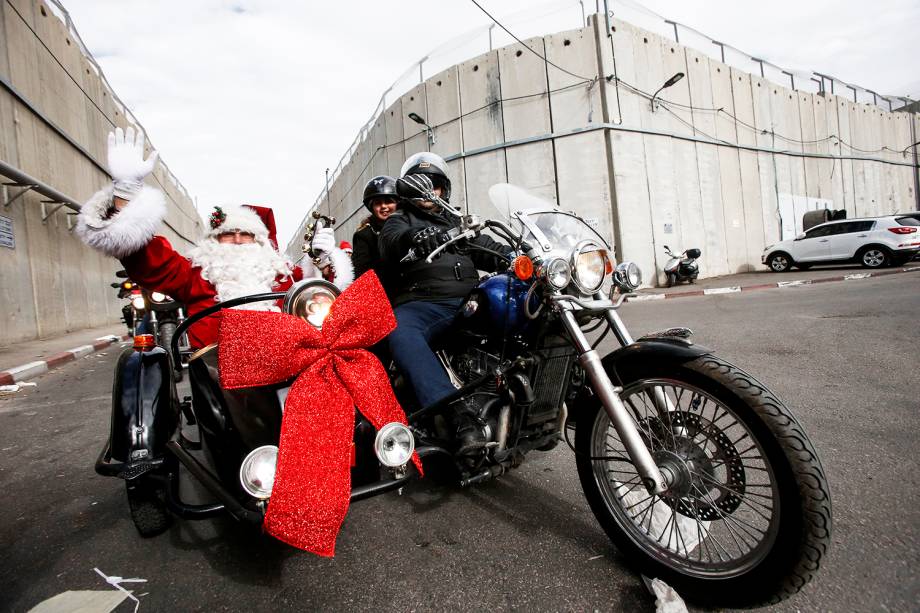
<point>40,367</point>
<point>734,289</point>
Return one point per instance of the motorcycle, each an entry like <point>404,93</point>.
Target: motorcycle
<point>697,472</point>
<point>154,313</point>
<point>682,267</point>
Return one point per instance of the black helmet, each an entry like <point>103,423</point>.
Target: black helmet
<point>379,186</point>
<point>431,164</point>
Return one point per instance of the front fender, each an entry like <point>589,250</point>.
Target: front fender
<point>627,363</point>
<point>622,364</point>
<point>145,409</point>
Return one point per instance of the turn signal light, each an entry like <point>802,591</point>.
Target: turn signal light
<point>143,342</point>
<point>523,267</point>
<point>902,230</point>
<point>608,262</point>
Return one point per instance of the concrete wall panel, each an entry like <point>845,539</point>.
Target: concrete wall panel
<point>715,246</point>
<point>396,150</point>
<point>581,172</point>
<point>573,106</point>
<point>482,126</point>
<point>732,195</point>
<point>749,165</point>
<point>524,89</point>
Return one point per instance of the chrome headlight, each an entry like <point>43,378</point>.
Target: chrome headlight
<point>589,266</point>
<point>628,276</point>
<point>138,302</point>
<point>257,472</point>
<point>159,297</point>
<point>394,444</point>
<point>311,301</point>
<point>557,273</point>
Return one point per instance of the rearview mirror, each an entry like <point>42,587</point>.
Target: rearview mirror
<point>121,274</point>
<point>115,285</point>
<point>800,236</point>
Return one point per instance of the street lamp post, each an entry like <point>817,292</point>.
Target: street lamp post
<point>677,77</point>
<point>421,121</point>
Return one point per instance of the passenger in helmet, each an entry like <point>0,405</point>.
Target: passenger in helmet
<point>427,295</point>
<point>380,199</point>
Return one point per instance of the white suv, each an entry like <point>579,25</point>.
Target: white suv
<point>876,242</point>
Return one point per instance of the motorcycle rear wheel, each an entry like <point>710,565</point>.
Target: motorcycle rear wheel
<point>147,502</point>
<point>748,518</point>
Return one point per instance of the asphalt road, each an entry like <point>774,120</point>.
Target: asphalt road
<point>844,357</point>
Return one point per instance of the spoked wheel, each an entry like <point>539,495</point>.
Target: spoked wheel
<point>747,515</point>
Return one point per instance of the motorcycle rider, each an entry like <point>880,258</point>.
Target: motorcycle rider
<point>380,199</point>
<point>237,257</point>
<point>427,296</point>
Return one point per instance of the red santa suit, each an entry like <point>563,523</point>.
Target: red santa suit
<point>213,271</point>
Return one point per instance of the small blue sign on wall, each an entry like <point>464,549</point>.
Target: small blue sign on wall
<point>7,239</point>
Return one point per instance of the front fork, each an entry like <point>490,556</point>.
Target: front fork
<point>609,396</point>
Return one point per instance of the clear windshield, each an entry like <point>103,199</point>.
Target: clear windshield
<point>542,221</point>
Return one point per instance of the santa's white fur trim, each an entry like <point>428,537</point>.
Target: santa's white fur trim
<point>243,219</point>
<point>344,270</point>
<point>126,231</point>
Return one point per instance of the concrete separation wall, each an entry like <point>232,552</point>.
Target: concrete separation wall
<point>55,113</point>
<point>728,161</point>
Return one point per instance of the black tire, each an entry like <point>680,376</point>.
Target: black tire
<point>147,502</point>
<point>799,531</point>
<point>873,257</point>
<point>672,279</point>
<point>780,262</point>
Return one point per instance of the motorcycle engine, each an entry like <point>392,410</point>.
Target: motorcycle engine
<point>473,364</point>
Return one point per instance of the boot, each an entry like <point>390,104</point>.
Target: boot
<point>467,427</point>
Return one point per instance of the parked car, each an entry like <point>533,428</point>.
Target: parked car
<point>874,243</point>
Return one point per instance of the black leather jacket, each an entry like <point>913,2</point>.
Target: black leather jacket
<point>452,275</point>
<point>366,256</point>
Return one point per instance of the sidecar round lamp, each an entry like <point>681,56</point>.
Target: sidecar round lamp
<point>257,472</point>
<point>311,301</point>
<point>394,444</point>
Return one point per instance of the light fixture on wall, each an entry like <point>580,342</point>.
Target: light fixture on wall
<point>677,77</point>
<point>428,130</point>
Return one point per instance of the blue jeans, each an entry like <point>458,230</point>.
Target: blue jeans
<point>417,324</point>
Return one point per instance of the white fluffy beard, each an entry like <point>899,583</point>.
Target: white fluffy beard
<point>240,270</point>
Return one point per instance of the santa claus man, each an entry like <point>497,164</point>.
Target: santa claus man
<point>237,257</point>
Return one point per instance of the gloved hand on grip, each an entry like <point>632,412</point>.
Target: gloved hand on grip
<point>427,240</point>
<point>126,162</point>
<point>323,244</point>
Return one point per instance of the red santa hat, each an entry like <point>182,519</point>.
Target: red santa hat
<point>257,220</point>
<point>346,247</point>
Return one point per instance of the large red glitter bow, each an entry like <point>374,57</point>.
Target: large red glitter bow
<point>312,478</point>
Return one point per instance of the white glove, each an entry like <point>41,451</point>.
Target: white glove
<point>126,162</point>
<point>323,242</point>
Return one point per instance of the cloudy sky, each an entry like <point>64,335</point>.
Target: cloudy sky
<point>251,100</point>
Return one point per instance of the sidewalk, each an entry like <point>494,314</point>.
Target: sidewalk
<point>765,279</point>
<point>23,361</point>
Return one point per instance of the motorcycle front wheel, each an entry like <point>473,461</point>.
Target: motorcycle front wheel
<point>747,517</point>
<point>147,503</point>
